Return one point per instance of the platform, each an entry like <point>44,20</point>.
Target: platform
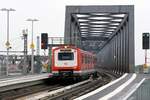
<point>119,89</point>
<point>22,79</point>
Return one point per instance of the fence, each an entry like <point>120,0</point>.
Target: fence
<point>17,65</point>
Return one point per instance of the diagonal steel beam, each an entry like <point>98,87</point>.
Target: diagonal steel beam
<point>115,32</point>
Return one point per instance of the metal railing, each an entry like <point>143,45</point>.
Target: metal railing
<point>142,93</point>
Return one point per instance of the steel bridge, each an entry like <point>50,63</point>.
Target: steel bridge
<point>107,31</point>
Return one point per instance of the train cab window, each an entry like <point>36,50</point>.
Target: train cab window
<point>65,56</point>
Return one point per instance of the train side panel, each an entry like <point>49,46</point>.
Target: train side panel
<point>86,63</point>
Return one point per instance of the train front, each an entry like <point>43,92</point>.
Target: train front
<point>64,61</point>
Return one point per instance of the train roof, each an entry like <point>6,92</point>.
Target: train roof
<point>73,47</point>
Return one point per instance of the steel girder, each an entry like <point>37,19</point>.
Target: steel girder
<point>108,27</point>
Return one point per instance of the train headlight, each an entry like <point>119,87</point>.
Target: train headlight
<point>65,47</point>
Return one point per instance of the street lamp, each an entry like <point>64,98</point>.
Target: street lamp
<point>32,46</point>
<point>7,43</point>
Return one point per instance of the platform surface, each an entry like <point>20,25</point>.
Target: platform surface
<point>119,89</point>
<point>11,80</point>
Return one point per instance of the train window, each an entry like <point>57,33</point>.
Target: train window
<point>86,59</point>
<point>65,56</point>
<point>82,57</point>
<point>91,60</point>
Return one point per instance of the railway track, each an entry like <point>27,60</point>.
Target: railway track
<point>29,91</point>
<point>83,89</point>
<point>17,93</point>
<point>73,91</point>
<point>57,91</point>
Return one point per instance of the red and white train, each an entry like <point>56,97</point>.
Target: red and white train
<point>72,61</point>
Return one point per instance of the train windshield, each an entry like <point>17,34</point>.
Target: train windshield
<point>65,56</point>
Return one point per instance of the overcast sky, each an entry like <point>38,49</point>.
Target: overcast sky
<point>51,15</point>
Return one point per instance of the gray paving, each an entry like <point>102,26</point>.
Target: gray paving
<point>109,89</point>
<point>123,93</point>
<point>11,80</point>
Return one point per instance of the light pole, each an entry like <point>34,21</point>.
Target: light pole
<point>7,42</point>
<point>32,46</point>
